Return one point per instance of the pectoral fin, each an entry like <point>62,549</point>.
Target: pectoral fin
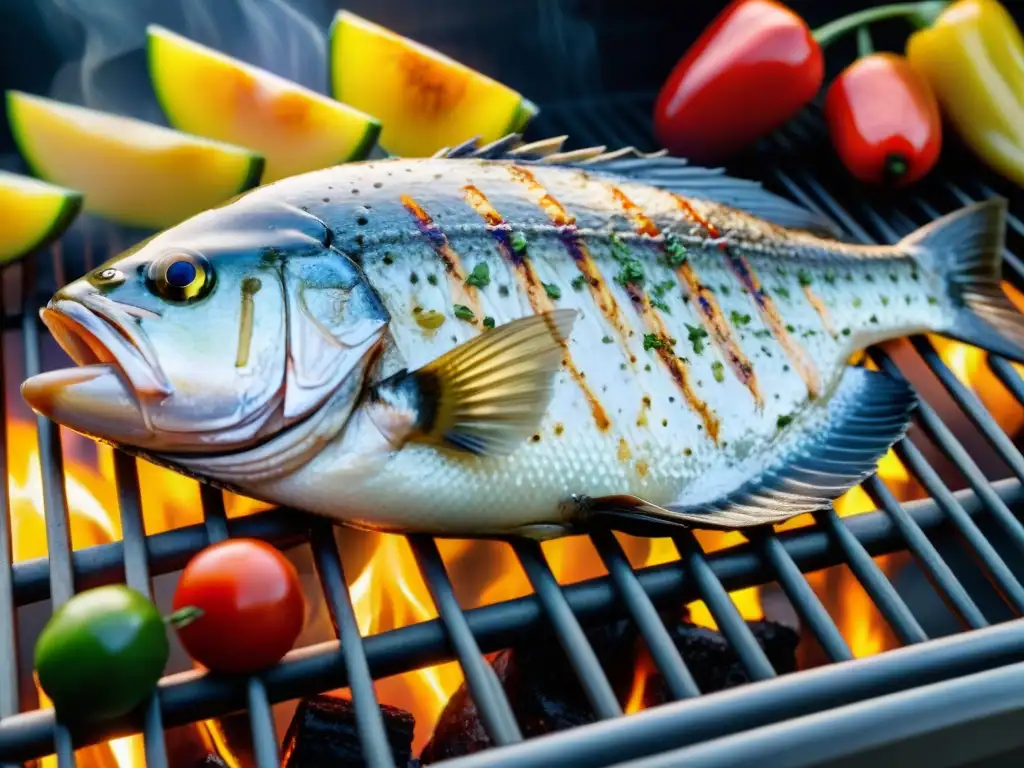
<point>487,395</point>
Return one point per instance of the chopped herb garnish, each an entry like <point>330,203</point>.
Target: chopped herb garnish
<point>718,371</point>
<point>790,328</point>
<point>675,253</point>
<point>647,367</point>
<point>804,277</point>
<point>869,277</point>
<point>782,291</point>
<point>619,249</point>
<point>389,258</point>
<point>631,273</point>
<point>846,331</point>
<point>503,290</point>
<point>830,276</point>
<point>518,242</point>
<point>463,312</point>
<point>856,303</point>
<point>696,335</point>
<point>552,290</point>
<point>622,366</point>
<point>414,278</point>
<point>659,304</point>
<point>658,289</point>
<point>873,319</point>
<point>914,275</point>
<point>762,333</point>
<point>480,276</point>
<point>909,299</point>
<point>739,319</point>
<point>932,300</point>
<point>578,282</point>
<point>894,277</point>
<point>724,289</point>
<point>783,421</point>
<point>653,341</point>
<point>488,322</point>
<point>885,301</point>
<point>607,339</point>
<point>432,279</point>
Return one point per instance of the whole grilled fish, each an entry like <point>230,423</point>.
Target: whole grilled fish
<point>515,340</point>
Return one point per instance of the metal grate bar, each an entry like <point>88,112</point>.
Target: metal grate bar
<point>670,664</point>
<point>1004,578</point>
<point>1008,376</point>
<point>167,551</point>
<point>55,506</point>
<point>570,634</point>
<point>136,568</point>
<point>985,702</point>
<point>370,723</point>
<point>972,406</point>
<point>723,610</point>
<point>681,723</point>
<point>188,696</point>
<point>9,679</point>
<point>484,687</point>
<point>804,601</point>
<point>264,734</point>
<point>942,577</point>
<point>878,587</point>
<point>951,447</point>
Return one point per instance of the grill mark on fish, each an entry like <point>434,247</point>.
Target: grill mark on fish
<point>711,315</point>
<point>821,309</point>
<point>676,367</point>
<point>765,306</point>
<point>460,292</point>
<point>573,242</point>
<point>531,284</point>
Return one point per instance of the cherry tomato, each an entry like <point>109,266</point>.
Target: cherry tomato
<point>251,604</point>
<point>748,73</point>
<point>884,120</point>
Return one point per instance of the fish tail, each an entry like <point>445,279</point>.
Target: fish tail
<point>965,248</point>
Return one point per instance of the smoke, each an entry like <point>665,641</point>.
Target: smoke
<point>287,37</point>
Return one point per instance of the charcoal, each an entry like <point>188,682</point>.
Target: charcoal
<point>546,696</point>
<point>323,732</point>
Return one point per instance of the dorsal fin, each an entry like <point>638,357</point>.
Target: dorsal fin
<point>657,169</point>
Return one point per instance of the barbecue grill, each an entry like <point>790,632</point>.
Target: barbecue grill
<point>954,699</point>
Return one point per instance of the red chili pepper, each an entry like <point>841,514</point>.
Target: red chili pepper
<point>752,69</point>
<point>884,120</point>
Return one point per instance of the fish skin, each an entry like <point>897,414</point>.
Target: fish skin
<point>657,445</point>
<point>683,422</point>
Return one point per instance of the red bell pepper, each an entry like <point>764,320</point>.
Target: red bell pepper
<point>883,119</point>
<point>751,71</point>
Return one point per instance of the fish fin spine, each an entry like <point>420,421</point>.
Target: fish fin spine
<point>867,414</point>
<point>965,248</point>
<point>490,394</point>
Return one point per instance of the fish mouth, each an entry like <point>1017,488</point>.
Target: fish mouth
<point>92,333</point>
<point>103,396</point>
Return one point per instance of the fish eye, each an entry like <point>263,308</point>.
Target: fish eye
<point>180,276</point>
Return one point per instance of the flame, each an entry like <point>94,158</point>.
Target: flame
<point>643,671</point>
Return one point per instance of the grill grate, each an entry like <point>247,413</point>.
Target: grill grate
<point>863,703</point>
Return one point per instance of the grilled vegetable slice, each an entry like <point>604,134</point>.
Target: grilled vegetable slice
<point>208,93</point>
<point>424,99</point>
<point>34,214</point>
<point>130,171</point>
<point>249,603</point>
<point>102,653</point>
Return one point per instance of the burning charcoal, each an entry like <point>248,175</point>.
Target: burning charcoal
<point>546,696</point>
<point>323,732</point>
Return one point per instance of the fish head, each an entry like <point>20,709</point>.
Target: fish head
<point>210,336</point>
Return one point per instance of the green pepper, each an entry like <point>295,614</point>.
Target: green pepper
<point>102,653</point>
<point>973,57</point>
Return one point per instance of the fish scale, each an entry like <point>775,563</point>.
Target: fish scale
<point>669,346</point>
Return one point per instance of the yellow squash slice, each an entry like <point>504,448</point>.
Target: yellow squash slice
<point>33,214</point>
<point>208,93</point>
<point>132,172</point>
<point>424,99</point>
